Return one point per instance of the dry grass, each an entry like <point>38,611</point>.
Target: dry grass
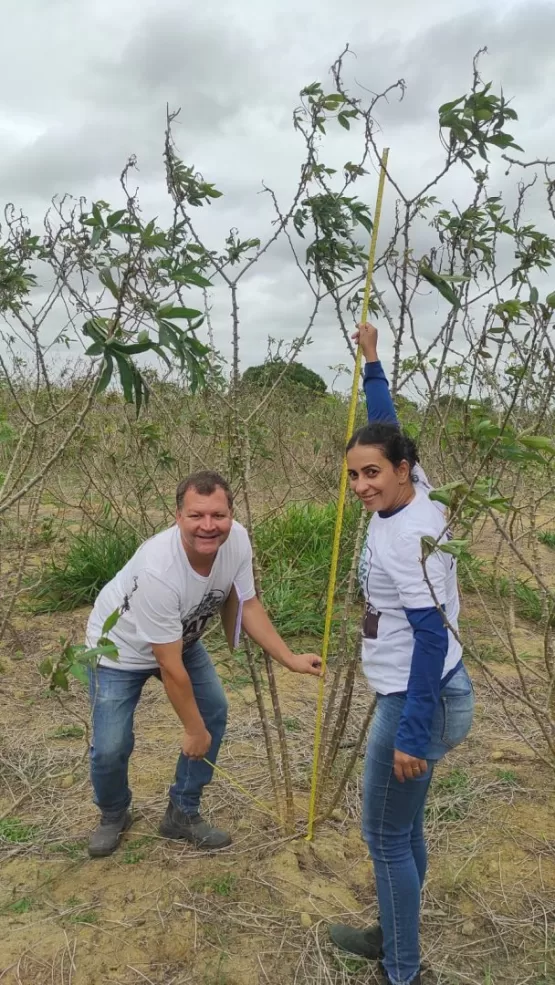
<point>162,912</point>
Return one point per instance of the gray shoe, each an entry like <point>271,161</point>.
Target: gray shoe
<point>106,836</point>
<point>191,827</point>
<point>366,943</point>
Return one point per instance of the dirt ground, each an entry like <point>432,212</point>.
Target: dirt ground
<point>162,913</point>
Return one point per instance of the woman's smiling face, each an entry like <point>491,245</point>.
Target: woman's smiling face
<point>376,481</point>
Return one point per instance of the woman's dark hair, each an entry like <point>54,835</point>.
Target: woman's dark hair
<point>396,446</point>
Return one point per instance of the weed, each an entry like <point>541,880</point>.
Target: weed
<point>547,537</point>
<point>46,532</point>
<point>508,776</point>
<point>470,572</point>
<point>292,724</point>
<point>71,849</point>
<point>294,550</point>
<point>15,831</point>
<point>490,653</point>
<point>89,916</point>
<point>68,732</point>
<point>92,560</point>
<point>455,781</point>
<point>221,885</point>
<point>132,853</point>
<point>22,906</point>
<point>83,914</point>
<point>450,798</point>
<point>528,600</point>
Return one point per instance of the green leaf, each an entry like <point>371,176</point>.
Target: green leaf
<point>45,667</point>
<point>169,312</point>
<point>534,295</point>
<point>59,679</point>
<point>447,107</point>
<point>96,349</point>
<point>96,236</point>
<point>110,622</point>
<point>503,140</point>
<point>454,547</point>
<point>550,300</point>
<point>537,442</point>
<point>113,219</point>
<point>106,374</point>
<point>105,648</point>
<point>127,377</point>
<point>189,275</point>
<point>343,121</point>
<point>105,277</point>
<point>131,348</point>
<point>440,284</point>
<point>79,672</point>
<point>126,229</point>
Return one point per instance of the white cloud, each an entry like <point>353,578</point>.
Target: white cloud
<point>83,86</point>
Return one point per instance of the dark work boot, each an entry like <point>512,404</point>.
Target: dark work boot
<point>106,836</point>
<point>366,943</point>
<point>191,827</point>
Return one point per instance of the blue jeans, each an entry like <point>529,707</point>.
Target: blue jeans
<point>393,819</point>
<point>114,695</point>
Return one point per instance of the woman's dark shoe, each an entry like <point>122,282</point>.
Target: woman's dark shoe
<point>365,943</point>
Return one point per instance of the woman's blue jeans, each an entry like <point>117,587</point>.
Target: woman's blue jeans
<point>393,819</point>
<point>114,695</point>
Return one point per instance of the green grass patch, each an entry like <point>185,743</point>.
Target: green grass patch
<point>292,724</point>
<point>451,797</point>
<point>294,550</point>
<point>528,600</point>
<point>86,915</point>
<point>92,559</point>
<point>69,849</point>
<point>455,780</point>
<point>134,851</point>
<point>20,906</point>
<point>68,732</point>
<point>223,885</point>
<point>547,537</point>
<point>15,832</point>
<point>508,777</point>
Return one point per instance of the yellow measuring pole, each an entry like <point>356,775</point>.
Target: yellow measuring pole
<point>341,504</point>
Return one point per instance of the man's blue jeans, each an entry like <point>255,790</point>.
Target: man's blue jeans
<point>393,819</point>
<point>114,695</point>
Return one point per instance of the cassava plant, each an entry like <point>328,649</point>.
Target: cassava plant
<point>465,296</point>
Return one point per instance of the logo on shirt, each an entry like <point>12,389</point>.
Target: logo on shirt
<point>371,614</point>
<point>195,622</point>
<point>370,624</point>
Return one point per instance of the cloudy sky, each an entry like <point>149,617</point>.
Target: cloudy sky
<point>84,85</point>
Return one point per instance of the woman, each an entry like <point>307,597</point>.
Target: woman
<point>414,663</point>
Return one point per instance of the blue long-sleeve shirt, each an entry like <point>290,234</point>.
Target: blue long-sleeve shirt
<point>430,633</point>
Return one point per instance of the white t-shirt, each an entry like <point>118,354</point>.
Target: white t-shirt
<point>162,599</point>
<point>392,580</point>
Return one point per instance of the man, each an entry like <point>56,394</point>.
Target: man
<point>166,596</point>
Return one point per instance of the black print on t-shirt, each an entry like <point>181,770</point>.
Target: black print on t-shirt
<point>370,624</point>
<point>126,604</point>
<point>371,614</point>
<point>195,622</point>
